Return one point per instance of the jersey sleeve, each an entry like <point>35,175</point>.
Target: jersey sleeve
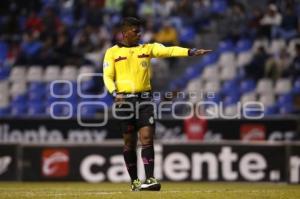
<point>159,50</point>
<point>109,71</point>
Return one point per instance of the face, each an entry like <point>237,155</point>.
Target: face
<point>132,35</point>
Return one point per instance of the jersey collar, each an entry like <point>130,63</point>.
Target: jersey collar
<point>120,44</point>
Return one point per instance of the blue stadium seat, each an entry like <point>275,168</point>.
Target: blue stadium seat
<point>36,91</point>
<point>62,88</point>
<point>285,99</point>
<point>215,98</point>
<point>19,109</point>
<point>67,17</point>
<point>50,99</point>
<point>194,71</point>
<point>19,105</point>
<point>177,84</point>
<point>231,98</point>
<point>63,110</point>
<point>22,22</point>
<point>62,91</point>
<point>286,109</point>
<point>241,74</point>
<point>19,99</point>
<point>56,88</point>
<point>3,50</point>
<point>210,58</point>
<point>187,35</point>
<point>37,87</point>
<point>271,110</point>
<point>67,88</point>
<point>36,109</point>
<point>56,111</point>
<point>31,48</point>
<point>4,72</point>
<point>5,111</point>
<point>86,86</point>
<point>88,111</point>
<point>219,6</point>
<point>296,87</point>
<point>225,46</point>
<point>247,86</point>
<point>191,73</point>
<point>200,65</point>
<point>229,86</point>
<point>108,100</point>
<point>36,96</point>
<point>243,45</point>
<point>72,99</point>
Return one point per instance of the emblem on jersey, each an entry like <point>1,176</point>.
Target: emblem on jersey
<point>105,64</point>
<point>151,120</point>
<point>144,63</point>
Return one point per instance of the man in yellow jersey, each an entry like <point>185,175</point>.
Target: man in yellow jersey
<point>126,68</point>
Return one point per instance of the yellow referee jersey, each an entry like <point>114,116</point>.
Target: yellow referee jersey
<point>127,69</point>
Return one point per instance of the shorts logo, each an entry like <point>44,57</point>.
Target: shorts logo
<point>151,120</point>
<point>55,162</point>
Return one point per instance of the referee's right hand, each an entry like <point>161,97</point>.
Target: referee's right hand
<point>197,52</point>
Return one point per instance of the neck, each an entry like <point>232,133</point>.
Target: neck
<point>126,44</point>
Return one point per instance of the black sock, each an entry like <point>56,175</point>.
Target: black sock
<point>148,159</point>
<point>131,162</point>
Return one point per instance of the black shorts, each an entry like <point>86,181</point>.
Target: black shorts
<point>136,112</point>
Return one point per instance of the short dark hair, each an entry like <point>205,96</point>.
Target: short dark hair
<point>129,22</point>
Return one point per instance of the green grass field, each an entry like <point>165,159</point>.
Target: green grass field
<point>169,190</point>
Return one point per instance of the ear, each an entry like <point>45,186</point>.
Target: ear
<point>123,33</point>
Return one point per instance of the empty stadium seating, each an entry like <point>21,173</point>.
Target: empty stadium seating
<point>30,91</point>
<point>229,84</point>
<point>37,91</point>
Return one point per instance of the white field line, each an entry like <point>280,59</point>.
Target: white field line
<point>82,193</point>
<point>27,193</point>
<point>162,191</point>
<point>219,191</point>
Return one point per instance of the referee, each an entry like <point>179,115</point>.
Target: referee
<point>127,73</point>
